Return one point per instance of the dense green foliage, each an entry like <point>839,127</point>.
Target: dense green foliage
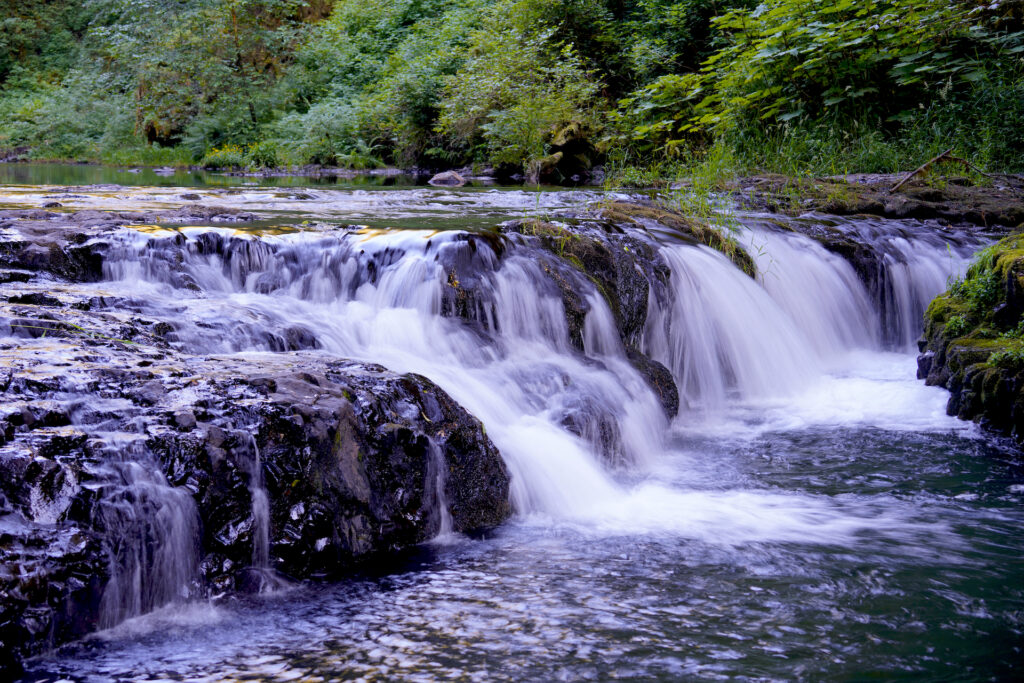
<point>791,85</point>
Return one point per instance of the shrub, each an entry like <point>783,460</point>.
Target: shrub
<point>229,156</point>
<point>518,86</point>
<point>262,155</point>
<point>1009,359</point>
<point>957,326</point>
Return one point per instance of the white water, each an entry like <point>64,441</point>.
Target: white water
<point>151,537</point>
<point>801,344</point>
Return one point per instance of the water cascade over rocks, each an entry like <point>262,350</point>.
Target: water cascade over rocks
<point>317,396</point>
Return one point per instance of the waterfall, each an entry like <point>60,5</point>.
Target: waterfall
<point>437,472</point>
<point>491,329</point>
<point>151,536</point>
<point>722,335</point>
<point>260,509</point>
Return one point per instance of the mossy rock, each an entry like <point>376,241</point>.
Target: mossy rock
<point>973,344</point>
<point>698,231</point>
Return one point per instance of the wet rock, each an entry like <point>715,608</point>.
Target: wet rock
<point>354,460</point>
<point>973,348</point>
<point>448,179</point>
<point>658,378</point>
<point>184,419</point>
<point>623,266</point>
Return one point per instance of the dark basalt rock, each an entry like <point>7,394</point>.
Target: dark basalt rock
<point>355,460</point>
<point>623,266</point>
<point>620,264</point>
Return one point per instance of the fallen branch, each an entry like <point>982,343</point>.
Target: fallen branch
<point>945,156</point>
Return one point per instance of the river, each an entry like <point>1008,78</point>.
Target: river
<point>811,512</point>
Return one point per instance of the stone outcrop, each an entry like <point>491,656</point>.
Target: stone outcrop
<point>953,200</point>
<point>353,460</point>
<point>973,343</point>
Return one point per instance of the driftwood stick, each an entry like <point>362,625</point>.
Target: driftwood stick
<point>969,165</point>
<point>920,169</point>
<point>945,156</point>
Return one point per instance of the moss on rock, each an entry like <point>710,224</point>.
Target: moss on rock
<point>699,231</point>
<point>974,340</point>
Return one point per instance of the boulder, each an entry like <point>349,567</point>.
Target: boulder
<point>447,179</point>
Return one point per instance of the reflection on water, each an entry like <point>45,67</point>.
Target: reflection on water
<point>144,176</point>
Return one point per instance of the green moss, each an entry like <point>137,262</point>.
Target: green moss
<point>942,308</point>
<point>624,212</point>
<point>974,344</point>
<point>968,307</point>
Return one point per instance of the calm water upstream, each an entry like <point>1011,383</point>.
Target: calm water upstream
<point>812,513</point>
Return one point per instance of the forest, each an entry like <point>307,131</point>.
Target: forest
<point>645,89</point>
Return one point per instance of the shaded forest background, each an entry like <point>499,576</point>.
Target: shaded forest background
<point>651,86</point>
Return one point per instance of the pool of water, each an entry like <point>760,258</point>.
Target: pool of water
<point>825,552</point>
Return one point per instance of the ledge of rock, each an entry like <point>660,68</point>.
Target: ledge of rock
<point>353,460</point>
<point>954,200</point>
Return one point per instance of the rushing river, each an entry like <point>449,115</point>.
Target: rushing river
<point>811,513</point>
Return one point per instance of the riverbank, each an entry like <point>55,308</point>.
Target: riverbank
<point>973,342</point>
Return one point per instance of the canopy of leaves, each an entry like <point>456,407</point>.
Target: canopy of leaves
<point>447,82</point>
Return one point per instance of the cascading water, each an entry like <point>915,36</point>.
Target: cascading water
<point>798,509</point>
<point>438,474</point>
<point>151,533</point>
<point>561,418</point>
<point>260,509</point>
<point>380,300</point>
<point>729,337</point>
